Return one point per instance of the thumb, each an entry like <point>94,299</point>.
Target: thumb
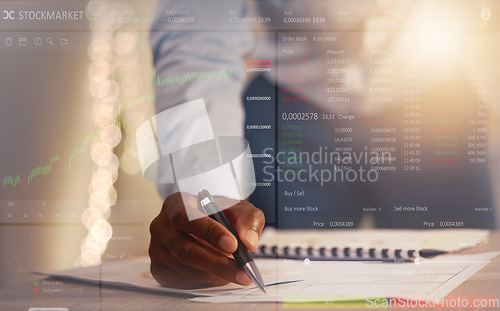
<point>248,222</point>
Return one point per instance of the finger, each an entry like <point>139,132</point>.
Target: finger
<point>162,256</point>
<point>205,227</point>
<point>248,221</point>
<point>190,252</point>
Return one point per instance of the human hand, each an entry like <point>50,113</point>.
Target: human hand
<point>197,253</point>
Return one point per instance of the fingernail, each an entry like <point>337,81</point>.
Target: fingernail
<point>227,244</point>
<point>242,278</point>
<point>252,237</point>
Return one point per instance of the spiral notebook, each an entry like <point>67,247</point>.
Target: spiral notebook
<point>376,244</point>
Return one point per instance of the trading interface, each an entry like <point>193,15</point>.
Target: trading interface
<point>381,114</point>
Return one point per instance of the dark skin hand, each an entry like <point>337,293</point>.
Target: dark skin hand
<point>194,254</point>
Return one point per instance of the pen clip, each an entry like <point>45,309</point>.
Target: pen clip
<point>201,209</point>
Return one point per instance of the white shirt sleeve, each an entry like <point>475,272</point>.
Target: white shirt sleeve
<point>209,62</point>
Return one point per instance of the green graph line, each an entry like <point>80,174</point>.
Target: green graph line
<point>24,254</point>
<point>44,170</point>
<point>180,80</point>
<point>168,81</point>
<point>82,148</point>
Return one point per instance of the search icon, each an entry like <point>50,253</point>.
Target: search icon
<point>49,41</point>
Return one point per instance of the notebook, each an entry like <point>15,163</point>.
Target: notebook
<point>376,244</point>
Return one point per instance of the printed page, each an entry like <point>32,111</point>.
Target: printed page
<point>429,278</point>
<point>135,274</point>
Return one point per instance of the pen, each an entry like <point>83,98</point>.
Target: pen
<point>241,254</point>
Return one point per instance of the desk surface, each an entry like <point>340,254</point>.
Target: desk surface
<point>79,296</point>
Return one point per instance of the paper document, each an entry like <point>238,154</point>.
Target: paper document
<point>429,278</point>
<point>306,281</point>
<point>134,274</point>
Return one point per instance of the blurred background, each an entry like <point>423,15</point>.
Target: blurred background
<point>72,190</point>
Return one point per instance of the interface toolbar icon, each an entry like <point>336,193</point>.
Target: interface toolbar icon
<point>38,41</point>
<point>485,14</point>
<point>22,41</point>
<point>63,41</point>
<point>49,41</point>
<point>8,41</point>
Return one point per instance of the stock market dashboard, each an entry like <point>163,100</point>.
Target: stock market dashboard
<point>358,114</point>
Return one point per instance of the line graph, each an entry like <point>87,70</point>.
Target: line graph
<point>44,170</point>
<point>16,180</point>
<point>22,258</point>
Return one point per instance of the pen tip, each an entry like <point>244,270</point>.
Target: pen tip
<point>253,273</point>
